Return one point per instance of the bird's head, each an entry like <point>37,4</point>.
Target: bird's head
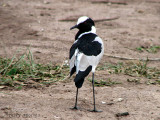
<point>85,24</point>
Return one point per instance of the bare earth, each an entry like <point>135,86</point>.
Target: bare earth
<point>35,24</point>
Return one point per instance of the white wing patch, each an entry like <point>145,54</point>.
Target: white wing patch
<point>79,60</point>
<point>73,59</point>
<point>72,62</point>
<point>82,62</point>
<point>98,39</point>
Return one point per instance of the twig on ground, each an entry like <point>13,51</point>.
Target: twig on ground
<point>70,18</point>
<point>127,58</point>
<point>106,19</point>
<point>60,69</point>
<point>108,1</point>
<point>122,114</point>
<point>74,18</point>
<point>66,77</point>
<point>153,1</point>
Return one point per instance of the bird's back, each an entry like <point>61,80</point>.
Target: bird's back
<point>85,55</point>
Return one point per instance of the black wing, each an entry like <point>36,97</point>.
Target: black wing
<point>73,49</point>
<point>88,46</point>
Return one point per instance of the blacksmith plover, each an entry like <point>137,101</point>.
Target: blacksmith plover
<point>85,53</point>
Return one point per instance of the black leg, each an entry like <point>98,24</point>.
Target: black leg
<point>75,107</point>
<point>94,109</point>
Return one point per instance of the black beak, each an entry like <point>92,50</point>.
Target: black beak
<point>76,26</point>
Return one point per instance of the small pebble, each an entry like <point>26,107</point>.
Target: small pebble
<point>46,2</point>
<point>122,114</point>
<point>42,29</point>
<point>103,102</point>
<point>56,117</point>
<point>120,99</point>
<point>110,103</point>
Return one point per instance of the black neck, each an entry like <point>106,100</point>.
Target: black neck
<point>80,32</point>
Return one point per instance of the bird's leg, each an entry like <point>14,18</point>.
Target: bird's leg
<point>76,99</point>
<point>94,109</point>
<point>75,107</point>
<point>93,92</point>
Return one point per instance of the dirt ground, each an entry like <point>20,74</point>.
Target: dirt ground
<point>35,24</point>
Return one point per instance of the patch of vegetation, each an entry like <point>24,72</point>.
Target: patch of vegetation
<point>102,83</point>
<point>134,69</point>
<point>135,80</point>
<point>16,72</point>
<point>151,49</point>
<point>153,82</point>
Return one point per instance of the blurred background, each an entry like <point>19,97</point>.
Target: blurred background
<point>41,26</point>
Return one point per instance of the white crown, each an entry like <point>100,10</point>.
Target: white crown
<point>82,19</point>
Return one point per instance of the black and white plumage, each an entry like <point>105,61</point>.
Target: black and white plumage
<point>85,53</point>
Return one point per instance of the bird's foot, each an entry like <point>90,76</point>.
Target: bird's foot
<point>95,110</point>
<point>75,108</point>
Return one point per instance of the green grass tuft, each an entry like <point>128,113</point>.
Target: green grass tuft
<point>150,49</point>
<point>134,69</point>
<point>16,72</point>
<point>102,83</point>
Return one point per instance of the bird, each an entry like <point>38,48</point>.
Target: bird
<point>85,54</point>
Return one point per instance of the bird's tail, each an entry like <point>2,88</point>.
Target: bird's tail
<point>79,83</point>
<point>79,79</point>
